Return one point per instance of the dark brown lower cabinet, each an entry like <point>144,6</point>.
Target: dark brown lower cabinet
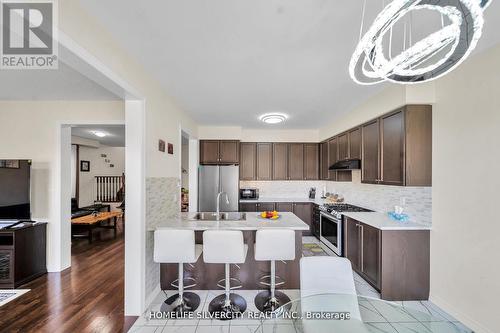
<point>248,207</point>
<point>304,212</point>
<point>395,262</point>
<point>362,248</point>
<point>284,207</point>
<point>370,253</point>
<point>22,255</point>
<point>256,207</point>
<point>351,244</point>
<point>315,223</point>
<point>265,206</point>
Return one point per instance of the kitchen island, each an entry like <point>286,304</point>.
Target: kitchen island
<point>249,273</point>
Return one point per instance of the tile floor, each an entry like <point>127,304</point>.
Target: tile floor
<point>415,316</point>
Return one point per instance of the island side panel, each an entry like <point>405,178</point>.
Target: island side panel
<point>249,273</point>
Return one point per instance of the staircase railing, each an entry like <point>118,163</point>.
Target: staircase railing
<point>110,188</point>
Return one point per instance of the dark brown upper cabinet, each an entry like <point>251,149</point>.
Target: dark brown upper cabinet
<point>397,148</point>
<point>324,161</point>
<point>392,138</point>
<point>311,161</point>
<point>264,161</point>
<point>280,161</point>
<point>296,161</point>
<point>342,147</point>
<point>370,134</point>
<point>209,151</point>
<point>229,151</point>
<point>354,137</point>
<point>219,152</point>
<point>248,160</point>
<point>418,145</point>
<point>332,157</point>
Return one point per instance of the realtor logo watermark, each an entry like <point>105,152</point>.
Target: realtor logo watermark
<point>28,36</point>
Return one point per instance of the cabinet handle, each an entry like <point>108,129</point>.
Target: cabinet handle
<point>362,249</point>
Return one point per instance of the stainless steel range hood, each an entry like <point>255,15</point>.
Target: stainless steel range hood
<point>349,164</point>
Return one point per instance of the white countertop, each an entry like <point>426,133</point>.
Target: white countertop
<point>317,201</point>
<point>252,222</point>
<point>383,222</point>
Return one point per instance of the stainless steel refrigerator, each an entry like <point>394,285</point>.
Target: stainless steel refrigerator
<point>215,179</point>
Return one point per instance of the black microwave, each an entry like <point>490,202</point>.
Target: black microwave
<point>249,193</point>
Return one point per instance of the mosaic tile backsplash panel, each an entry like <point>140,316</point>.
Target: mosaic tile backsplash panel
<point>162,201</point>
<point>380,198</point>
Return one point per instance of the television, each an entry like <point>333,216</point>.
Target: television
<point>15,189</point>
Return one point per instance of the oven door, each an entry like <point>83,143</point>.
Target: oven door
<point>331,232</point>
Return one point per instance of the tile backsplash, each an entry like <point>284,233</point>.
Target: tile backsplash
<point>380,198</point>
<point>162,201</point>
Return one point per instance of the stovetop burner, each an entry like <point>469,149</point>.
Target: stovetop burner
<point>337,208</point>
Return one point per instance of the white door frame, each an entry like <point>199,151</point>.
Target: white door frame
<point>135,174</point>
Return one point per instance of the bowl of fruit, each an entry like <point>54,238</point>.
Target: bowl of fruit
<point>270,215</point>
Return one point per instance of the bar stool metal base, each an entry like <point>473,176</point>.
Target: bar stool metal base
<point>190,302</point>
<point>218,307</point>
<point>264,303</point>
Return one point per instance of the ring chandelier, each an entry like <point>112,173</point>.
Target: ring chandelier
<point>425,60</point>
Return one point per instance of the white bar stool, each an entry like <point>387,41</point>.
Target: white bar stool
<point>272,245</point>
<point>328,275</point>
<point>225,247</point>
<point>178,246</point>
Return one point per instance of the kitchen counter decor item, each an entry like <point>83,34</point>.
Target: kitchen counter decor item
<point>270,215</point>
<point>399,217</point>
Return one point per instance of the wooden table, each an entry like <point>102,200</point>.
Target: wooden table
<point>104,220</point>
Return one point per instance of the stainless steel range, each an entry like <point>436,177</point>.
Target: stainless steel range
<point>331,224</point>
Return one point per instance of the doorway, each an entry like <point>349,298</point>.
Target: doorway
<point>97,183</point>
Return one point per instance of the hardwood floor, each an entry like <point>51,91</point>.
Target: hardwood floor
<point>88,297</point>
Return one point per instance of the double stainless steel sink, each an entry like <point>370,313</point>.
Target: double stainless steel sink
<point>226,216</point>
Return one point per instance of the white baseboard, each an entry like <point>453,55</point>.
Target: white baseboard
<point>459,315</point>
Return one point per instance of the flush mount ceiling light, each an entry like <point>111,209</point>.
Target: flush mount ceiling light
<point>99,134</point>
<point>426,59</point>
<point>273,118</point>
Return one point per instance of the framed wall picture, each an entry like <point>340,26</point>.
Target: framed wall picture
<point>161,146</point>
<point>85,166</point>
<point>170,149</point>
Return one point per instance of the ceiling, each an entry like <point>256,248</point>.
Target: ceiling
<point>228,61</point>
<point>115,134</point>
<point>62,84</point>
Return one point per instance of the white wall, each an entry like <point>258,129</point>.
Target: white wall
<point>269,135</point>
<point>389,99</point>
<point>219,132</point>
<point>98,167</point>
<point>257,135</point>
<point>29,130</point>
<point>465,240</point>
<point>163,118</point>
